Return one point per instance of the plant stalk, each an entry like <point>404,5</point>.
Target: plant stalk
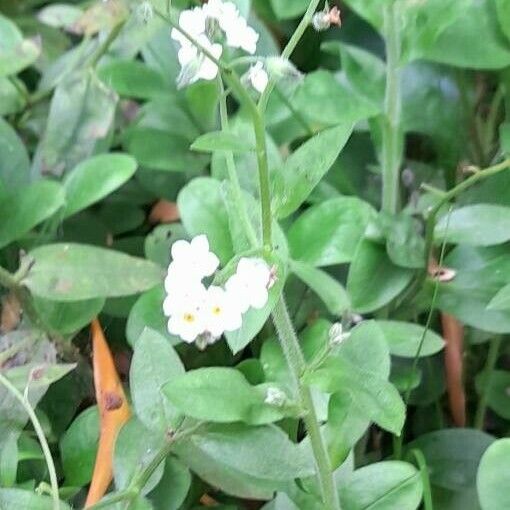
<point>40,436</point>
<point>392,138</point>
<point>490,365</point>
<point>297,365</point>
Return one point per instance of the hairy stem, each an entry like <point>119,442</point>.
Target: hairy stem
<point>101,51</point>
<point>289,49</point>
<point>392,139</point>
<point>232,173</point>
<point>40,435</point>
<point>297,365</point>
<point>490,365</point>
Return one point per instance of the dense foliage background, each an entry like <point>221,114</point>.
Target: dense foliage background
<point>390,216</point>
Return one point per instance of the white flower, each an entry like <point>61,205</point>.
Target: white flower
<point>192,21</point>
<point>250,283</point>
<point>195,65</point>
<point>258,77</point>
<point>220,312</point>
<point>193,257</point>
<point>237,32</point>
<point>186,319</point>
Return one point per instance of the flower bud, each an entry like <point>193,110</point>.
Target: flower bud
<point>280,68</point>
<point>275,397</point>
<point>337,334</point>
<point>323,20</point>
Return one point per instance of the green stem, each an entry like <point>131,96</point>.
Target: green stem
<point>101,51</point>
<point>425,479</point>
<point>40,435</point>
<point>392,139</point>
<point>140,480</point>
<point>297,365</point>
<point>232,173</point>
<point>289,49</point>
<point>490,365</point>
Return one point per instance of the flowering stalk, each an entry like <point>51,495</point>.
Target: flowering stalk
<point>392,139</point>
<point>297,364</point>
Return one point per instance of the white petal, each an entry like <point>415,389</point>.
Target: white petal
<point>200,243</point>
<point>259,297</point>
<point>180,250</point>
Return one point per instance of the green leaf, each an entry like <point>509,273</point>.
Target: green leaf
<point>16,53</point>
<point>14,161</point>
<point>9,460</point>
<point>404,339</point>
<point>245,461</point>
<point>80,118</point>
<point>503,11</point>
<point>404,244</point>
<point>373,396</point>
<point>326,100</point>
<point>501,301</point>
<point>494,476</point>
<point>365,71</point>
<point>148,312</point>
<point>11,99</point>
<point>345,426</point>
<point>59,15</point>
<point>207,386</point>
<point>221,141</point>
<point>95,178</point>
<point>163,150</point>
<point>174,486</point>
<point>203,212</point>
<point>154,363</point>
<point>132,78</point>
<point>471,21</point>
<point>78,447</point>
<point>497,391</point>
<point>328,233</point>
<point>136,447</point>
<point>331,292</point>
<point>453,456</point>
<point>373,280</point>
<point>159,242</point>
<point>305,167</point>
<point>24,210</point>
<point>480,274</point>
<point>477,225</point>
<point>15,499</point>
<point>382,486</point>
<point>68,317</point>
<point>75,272</point>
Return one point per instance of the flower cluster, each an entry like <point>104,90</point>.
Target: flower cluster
<point>201,313</point>
<point>204,24</point>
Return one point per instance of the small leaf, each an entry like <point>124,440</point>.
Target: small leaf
<point>382,486</point>
<point>404,339</point>
<point>476,225</point>
<point>75,272</point>
<point>154,363</point>
<point>14,161</point>
<point>373,280</point>
<point>331,292</point>
<point>305,167</point>
<point>494,476</point>
<point>95,178</point>
<point>220,141</point>
<point>328,233</point>
<point>21,212</point>
<point>207,386</point>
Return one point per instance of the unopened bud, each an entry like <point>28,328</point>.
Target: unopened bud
<point>275,397</point>
<point>337,334</point>
<point>281,68</point>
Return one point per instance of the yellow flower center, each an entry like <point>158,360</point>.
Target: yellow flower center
<point>216,310</point>
<point>189,317</point>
